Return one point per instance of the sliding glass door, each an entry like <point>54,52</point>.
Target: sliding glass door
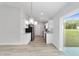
<point>71,35</point>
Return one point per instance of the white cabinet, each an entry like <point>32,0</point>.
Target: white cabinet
<point>26,38</point>
<point>49,38</point>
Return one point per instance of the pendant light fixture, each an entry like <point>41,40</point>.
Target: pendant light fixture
<point>26,22</point>
<point>31,19</point>
<point>35,23</point>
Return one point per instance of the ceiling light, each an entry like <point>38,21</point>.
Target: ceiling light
<point>35,23</point>
<point>31,21</point>
<point>26,22</point>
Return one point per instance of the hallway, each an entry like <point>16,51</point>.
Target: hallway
<point>35,48</point>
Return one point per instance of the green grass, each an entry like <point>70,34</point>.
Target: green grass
<point>71,37</point>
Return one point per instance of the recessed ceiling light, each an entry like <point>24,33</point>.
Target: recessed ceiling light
<point>42,13</point>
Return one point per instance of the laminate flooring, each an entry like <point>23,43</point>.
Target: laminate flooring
<point>37,47</point>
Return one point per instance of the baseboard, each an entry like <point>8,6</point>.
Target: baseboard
<point>55,46</point>
<point>13,44</point>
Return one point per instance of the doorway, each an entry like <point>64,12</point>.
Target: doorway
<point>39,32</point>
<point>71,34</point>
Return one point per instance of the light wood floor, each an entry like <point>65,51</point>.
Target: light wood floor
<point>35,48</point>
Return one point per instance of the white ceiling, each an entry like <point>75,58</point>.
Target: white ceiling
<point>41,11</point>
<point>49,10</point>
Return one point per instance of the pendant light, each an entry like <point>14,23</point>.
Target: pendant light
<point>35,23</point>
<point>31,19</point>
<point>26,22</point>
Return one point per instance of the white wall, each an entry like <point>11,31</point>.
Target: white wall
<point>9,24</point>
<point>39,29</point>
<point>51,28</point>
<point>50,25</point>
<point>58,23</point>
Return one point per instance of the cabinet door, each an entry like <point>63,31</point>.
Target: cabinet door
<point>26,39</point>
<point>49,38</point>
